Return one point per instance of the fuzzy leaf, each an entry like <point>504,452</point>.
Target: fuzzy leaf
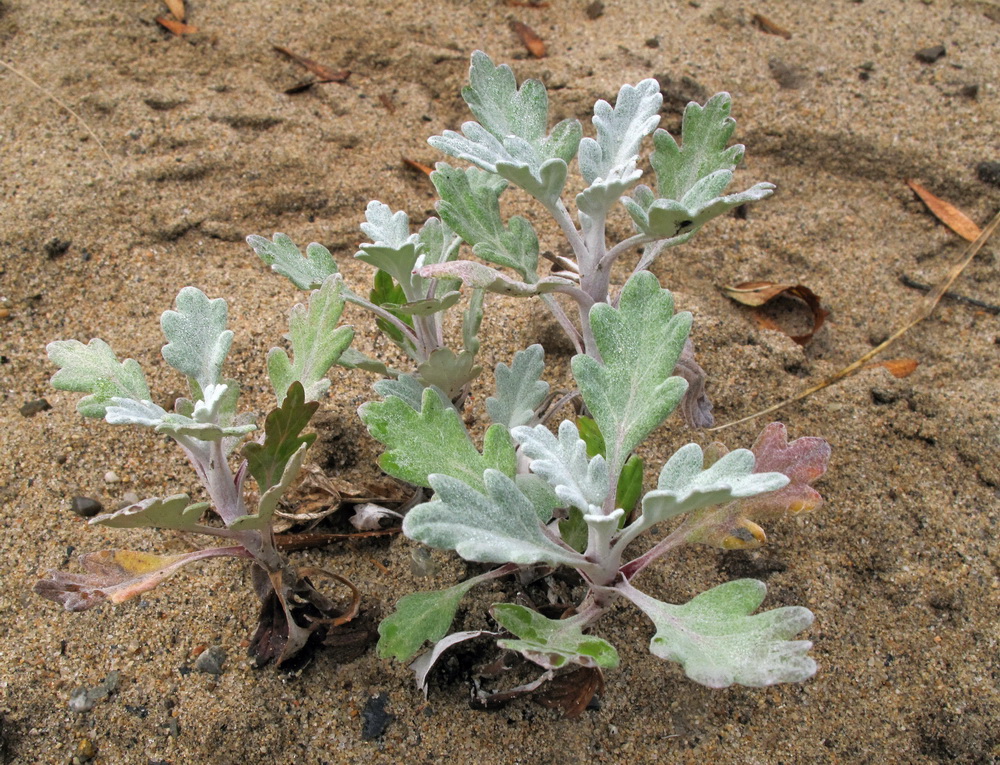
<point>500,526</point>
<point>472,319</point>
<point>207,420</point>
<point>734,525</point>
<point>630,480</point>
<point>423,664</point>
<point>198,338</point>
<point>352,359</point>
<point>630,392</point>
<point>578,481</point>
<point>269,499</point>
<point>307,272</point>
<point>266,461</point>
<point>114,575</point>
<point>433,440</point>
<point>503,109</point>
<point>469,205</point>
<point>409,389</point>
<point>668,218</point>
<point>174,512</point>
<point>316,343</point>
<point>448,371</point>
<point>519,389</point>
<point>684,485</point>
<point>94,369</point>
<point>620,130</point>
<point>551,643</point>
<point>419,618</point>
<point>482,277</point>
<point>393,248</point>
<point>718,643</point>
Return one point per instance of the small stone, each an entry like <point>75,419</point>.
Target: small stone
<point>111,477</point>
<point>129,498</point>
<point>931,54</point>
<point>375,718</point>
<point>31,408</point>
<point>989,172</point>
<point>653,42</point>
<point>86,750</point>
<point>85,507</point>
<point>211,660</point>
<point>56,247</point>
<point>595,10</point>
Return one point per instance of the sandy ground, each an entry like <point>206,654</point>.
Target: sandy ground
<point>900,566</point>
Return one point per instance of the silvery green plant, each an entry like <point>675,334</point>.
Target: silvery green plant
<point>208,429</point>
<point>535,498</point>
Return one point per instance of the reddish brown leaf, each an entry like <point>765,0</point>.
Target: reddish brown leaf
<point>571,692</point>
<point>176,7</point>
<point>898,367</point>
<point>756,294</point>
<point>947,213</point>
<point>386,101</point>
<point>412,163</point>
<point>534,43</point>
<point>176,27</point>
<point>322,72</point>
<point>766,25</point>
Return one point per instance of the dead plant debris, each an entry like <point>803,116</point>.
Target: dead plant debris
<point>534,43</point>
<point>757,294</point>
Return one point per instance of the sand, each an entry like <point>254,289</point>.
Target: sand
<point>901,564</point>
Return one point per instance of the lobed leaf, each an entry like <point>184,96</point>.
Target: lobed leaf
<point>198,340</point>
<point>500,526</point>
<point>670,218</point>
<point>174,512</point>
<point>718,643</point>
<point>503,109</point>
<point>282,428</point>
<point>316,341</point>
<point>433,440</point>
<point>419,618</point>
<point>94,369</point>
<point>268,502</point>
<point>448,371</point>
<point>620,130</point>
<point>551,643</point>
<point>578,481</point>
<point>519,389</point>
<point>482,277</point>
<point>630,392</point>
<point>208,420</point>
<point>307,272</point>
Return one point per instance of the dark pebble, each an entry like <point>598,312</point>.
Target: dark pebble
<point>375,718</point>
<point>139,711</point>
<point>32,408</point>
<point>85,507</point>
<point>595,10</point>
<point>788,77</point>
<point>989,172</point>
<point>56,247</point>
<point>931,54</point>
<point>210,660</point>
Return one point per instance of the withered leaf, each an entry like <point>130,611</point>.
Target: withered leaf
<point>534,43</point>
<point>947,213</point>
<point>898,367</point>
<point>176,27</point>
<point>323,73</point>
<point>572,691</point>
<point>766,25</point>
<point>756,294</point>
<point>412,163</point>
<point>176,7</point>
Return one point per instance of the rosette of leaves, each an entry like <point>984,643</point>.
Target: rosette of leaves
<point>209,430</point>
<point>531,497</point>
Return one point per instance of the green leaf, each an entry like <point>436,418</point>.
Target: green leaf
<point>198,340</point>
<point>519,389</point>
<point>482,277</point>
<point>503,109</point>
<point>469,205</point>
<point>499,526</point>
<point>620,130</point>
<point>269,499</point>
<point>94,369</point>
<point>352,359</point>
<point>393,248</point>
<point>472,319</point>
<point>669,218</point>
<point>574,530</point>
<point>578,481</point>
<point>449,371</point>
<point>409,389</point>
<point>718,643</point>
<point>316,343</point>
<point>630,392</point>
<point>591,435</point>
<point>433,440</point>
<point>306,272</point>
<point>209,418</point>
<point>267,461</point>
<point>551,643</point>
<point>630,480</point>
<point>174,512</point>
<point>419,618</point>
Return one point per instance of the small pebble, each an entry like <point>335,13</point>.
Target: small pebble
<point>56,247</point>
<point>129,498</point>
<point>85,507</point>
<point>375,718</point>
<point>989,172</point>
<point>211,660</point>
<point>31,408</point>
<point>931,54</point>
<point>111,477</point>
<point>595,10</point>
<point>85,751</point>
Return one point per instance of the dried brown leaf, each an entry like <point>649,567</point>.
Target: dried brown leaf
<point>572,691</point>
<point>756,294</point>
<point>176,27</point>
<point>766,25</point>
<point>412,163</point>
<point>534,43</point>
<point>947,213</point>
<point>323,73</point>
<point>898,367</point>
<point>176,7</point>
